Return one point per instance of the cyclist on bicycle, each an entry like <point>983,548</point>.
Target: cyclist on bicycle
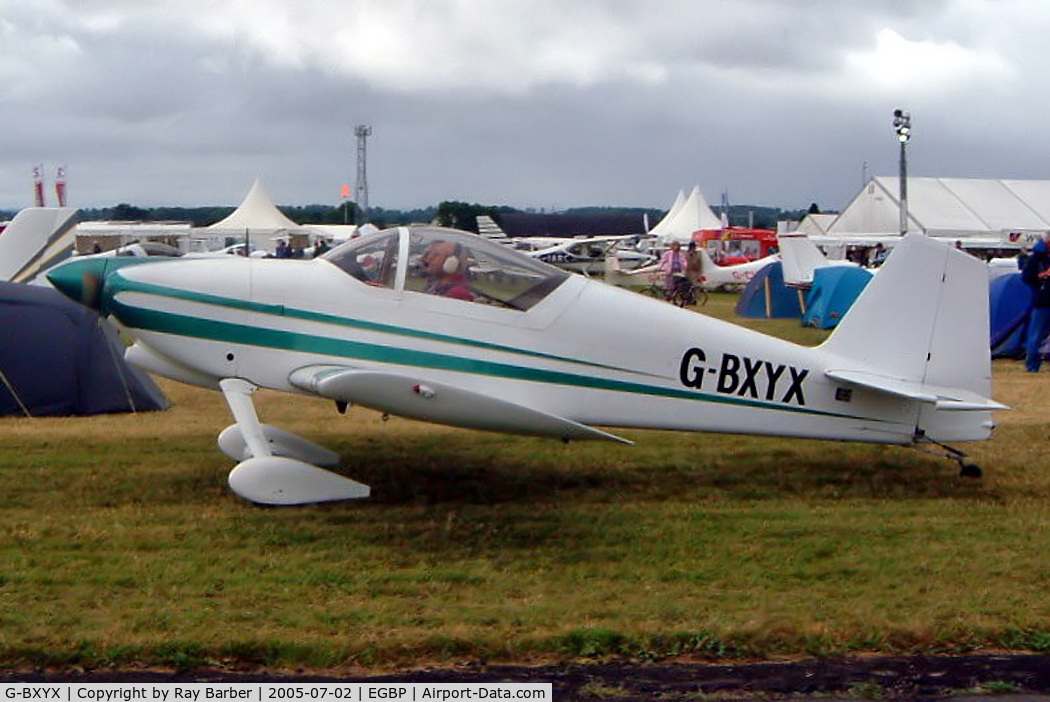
<point>672,265</point>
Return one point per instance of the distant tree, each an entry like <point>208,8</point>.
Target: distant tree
<point>388,218</point>
<point>813,209</point>
<point>461,215</point>
<point>128,213</point>
<point>321,214</point>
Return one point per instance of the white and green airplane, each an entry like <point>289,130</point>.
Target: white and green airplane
<point>448,327</point>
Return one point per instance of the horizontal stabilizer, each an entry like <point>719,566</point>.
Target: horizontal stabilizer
<point>943,398</point>
<point>415,398</point>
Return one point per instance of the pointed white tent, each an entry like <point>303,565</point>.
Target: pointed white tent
<point>256,214</point>
<point>662,225</point>
<point>679,203</point>
<point>692,215</point>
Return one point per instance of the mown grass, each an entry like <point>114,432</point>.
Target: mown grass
<point>120,543</point>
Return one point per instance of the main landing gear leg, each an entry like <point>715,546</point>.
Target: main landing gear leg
<point>967,468</point>
<point>276,466</point>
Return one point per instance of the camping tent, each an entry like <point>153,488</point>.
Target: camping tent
<point>59,358</point>
<point>1009,303</point>
<point>833,292</point>
<point>767,296</point>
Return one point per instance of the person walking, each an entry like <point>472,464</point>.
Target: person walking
<point>1036,274</point>
<point>694,267</point>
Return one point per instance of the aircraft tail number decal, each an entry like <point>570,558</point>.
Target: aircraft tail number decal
<point>742,376</point>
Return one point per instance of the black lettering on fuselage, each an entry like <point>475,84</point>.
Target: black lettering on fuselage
<point>744,377</point>
<point>751,369</point>
<point>772,378</point>
<point>727,374</point>
<point>797,376</point>
<point>691,372</point>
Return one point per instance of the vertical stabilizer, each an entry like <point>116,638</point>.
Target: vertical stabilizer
<point>36,239</point>
<point>488,229</point>
<point>799,257</point>
<point>920,330</point>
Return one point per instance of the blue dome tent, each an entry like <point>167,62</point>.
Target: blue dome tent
<point>1009,304</point>
<point>767,296</point>
<point>834,290</point>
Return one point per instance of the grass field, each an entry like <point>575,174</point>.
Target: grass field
<point>120,543</point>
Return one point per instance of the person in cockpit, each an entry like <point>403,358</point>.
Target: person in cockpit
<point>445,267</point>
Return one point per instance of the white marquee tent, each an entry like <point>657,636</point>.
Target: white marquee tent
<point>977,211</point>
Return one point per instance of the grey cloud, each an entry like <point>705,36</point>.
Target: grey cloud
<point>536,104</point>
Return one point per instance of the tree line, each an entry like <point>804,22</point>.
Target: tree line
<point>458,215</point>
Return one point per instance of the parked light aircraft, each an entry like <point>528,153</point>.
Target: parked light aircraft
<point>526,348</point>
<point>586,255</point>
<point>712,277</point>
<point>716,277</point>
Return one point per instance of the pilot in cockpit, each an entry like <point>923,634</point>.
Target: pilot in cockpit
<point>444,264</point>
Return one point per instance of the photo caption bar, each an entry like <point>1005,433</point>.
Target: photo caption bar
<point>274,692</point>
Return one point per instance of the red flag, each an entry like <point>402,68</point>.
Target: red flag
<point>346,192</point>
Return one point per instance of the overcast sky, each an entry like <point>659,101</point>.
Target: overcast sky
<point>528,103</point>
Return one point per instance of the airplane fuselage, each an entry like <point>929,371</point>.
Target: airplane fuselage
<point>590,352</point>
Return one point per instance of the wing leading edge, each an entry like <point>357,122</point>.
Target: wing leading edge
<point>440,403</point>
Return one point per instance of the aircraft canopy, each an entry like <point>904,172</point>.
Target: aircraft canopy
<point>449,263</point>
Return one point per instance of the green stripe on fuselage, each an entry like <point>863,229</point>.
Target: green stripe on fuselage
<point>117,284</point>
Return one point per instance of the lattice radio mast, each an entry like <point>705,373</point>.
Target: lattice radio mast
<point>362,132</point>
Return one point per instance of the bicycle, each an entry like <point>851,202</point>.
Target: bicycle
<point>655,288</point>
<point>687,293</point>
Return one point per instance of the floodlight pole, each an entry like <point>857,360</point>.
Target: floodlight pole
<point>362,132</point>
<point>902,124</point>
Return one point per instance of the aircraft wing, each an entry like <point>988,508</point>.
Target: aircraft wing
<point>415,398</point>
<point>943,398</point>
